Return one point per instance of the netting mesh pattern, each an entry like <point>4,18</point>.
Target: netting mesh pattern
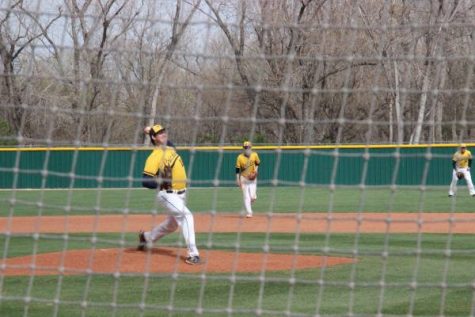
<point>92,72</point>
<point>336,230</point>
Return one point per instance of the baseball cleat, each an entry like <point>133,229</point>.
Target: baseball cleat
<point>451,195</point>
<point>142,242</point>
<point>248,216</point>
<point>193,260</point>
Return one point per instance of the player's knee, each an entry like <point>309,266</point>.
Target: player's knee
<point>170,227</point>
<point>173,227</point>
<point>186,212</point>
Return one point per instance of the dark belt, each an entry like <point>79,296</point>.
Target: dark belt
<point>176,192</point>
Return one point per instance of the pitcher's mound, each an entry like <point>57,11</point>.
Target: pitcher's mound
<point>162,260</point>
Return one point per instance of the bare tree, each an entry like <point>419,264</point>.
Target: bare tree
<point>151,59</point>
<point>296,71</point>
<point>93,38</point>
<point>288,37</point>
<point>437,17</point>
<point>17,34</point>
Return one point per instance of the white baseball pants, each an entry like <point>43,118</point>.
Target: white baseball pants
<point>249,193</point>
<point>178,215</point>
<point>468,179</point>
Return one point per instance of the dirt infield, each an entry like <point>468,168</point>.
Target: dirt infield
<point>163,260</point>
<point>306,222</point>
<point>166,260</point>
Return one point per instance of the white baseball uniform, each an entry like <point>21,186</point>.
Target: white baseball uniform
<point>178,215</point>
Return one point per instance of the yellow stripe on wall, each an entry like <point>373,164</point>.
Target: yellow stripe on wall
<point>234,148</point>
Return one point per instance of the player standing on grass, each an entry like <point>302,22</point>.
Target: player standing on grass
<point>247,164</point>
<point>164,169</point>
<point>461,163</point>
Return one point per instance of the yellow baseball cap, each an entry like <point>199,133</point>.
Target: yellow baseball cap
<point>246,144</point>
<point>463,145</point>
<point>156,129</point>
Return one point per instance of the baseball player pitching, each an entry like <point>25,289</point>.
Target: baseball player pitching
<point>247,164</point>
<point>461,163</point>
<point>164,170</point>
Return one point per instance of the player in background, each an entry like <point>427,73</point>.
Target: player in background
<point>247,164</point>
<point>164,170</point>
<point>461,163</point>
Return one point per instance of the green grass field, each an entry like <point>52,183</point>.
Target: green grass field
<point>335,297</point>
<point>443,280</point>
<point>276,199</point>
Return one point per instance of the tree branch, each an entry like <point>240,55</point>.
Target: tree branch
<point>44,30</point>
<point>224,28</point>
<point>336,71</point>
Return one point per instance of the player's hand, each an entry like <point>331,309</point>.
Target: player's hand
<point>238,183</point>
<point>252,176</point>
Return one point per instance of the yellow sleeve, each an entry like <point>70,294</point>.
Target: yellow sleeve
<point>454,157</point>
<point>238,165</point>
<point>151,165</point>
<point>469,155</point>
<point>258,160</point>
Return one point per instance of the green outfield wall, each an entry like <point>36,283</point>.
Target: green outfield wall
<point>208,166</point>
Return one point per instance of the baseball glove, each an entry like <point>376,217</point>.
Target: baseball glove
<point>460,175</point>
<point>166,178</point>
<point>252,176</point>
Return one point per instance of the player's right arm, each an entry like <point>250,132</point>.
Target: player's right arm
<point>150,172</point>
<point>454,161</point>
<point>238,172</point>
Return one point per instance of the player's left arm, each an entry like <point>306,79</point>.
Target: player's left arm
<point>149,182</point>
<point>257,162</point>
<point>469,160</point>
<point>150,172</point>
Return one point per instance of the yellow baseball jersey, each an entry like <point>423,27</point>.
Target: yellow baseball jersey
<point>461,160</point>
<point>163,157</point>
<point>247,165</point>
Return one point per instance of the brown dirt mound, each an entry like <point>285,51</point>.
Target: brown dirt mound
<point>163,260</point>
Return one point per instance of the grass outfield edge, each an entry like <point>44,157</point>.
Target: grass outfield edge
<point>296,185</point>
